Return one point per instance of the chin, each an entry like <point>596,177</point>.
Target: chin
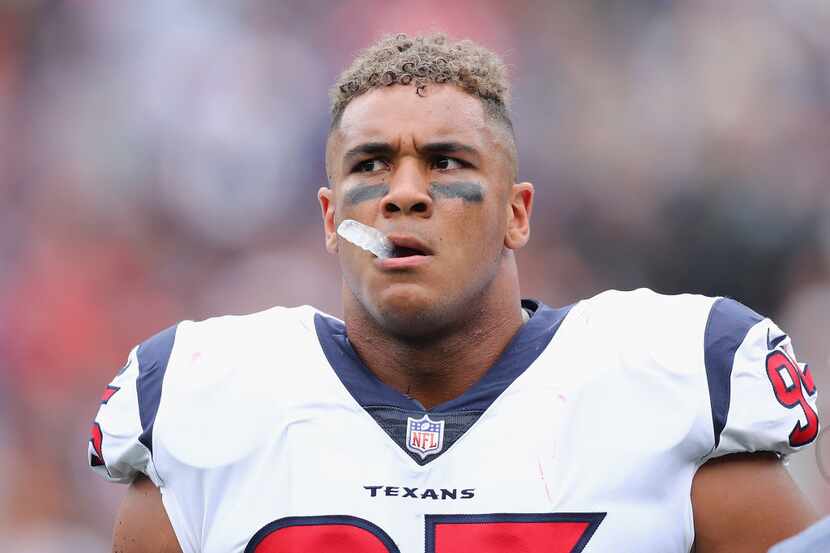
<point>410,311</point>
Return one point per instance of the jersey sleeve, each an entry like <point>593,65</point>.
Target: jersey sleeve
<point>762,398</point>
<point>121,445</point>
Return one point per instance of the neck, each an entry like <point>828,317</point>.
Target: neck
<point>440,367</point>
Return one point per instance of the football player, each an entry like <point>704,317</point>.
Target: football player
<point>446,414</point>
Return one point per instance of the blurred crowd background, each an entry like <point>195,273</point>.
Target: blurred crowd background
<point>159,161</point>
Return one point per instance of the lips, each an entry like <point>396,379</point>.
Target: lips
<point>410,252</point>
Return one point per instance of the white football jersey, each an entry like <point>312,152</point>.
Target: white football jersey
<point>267,434</point>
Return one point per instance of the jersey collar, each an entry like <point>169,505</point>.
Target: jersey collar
<point>368,390</point>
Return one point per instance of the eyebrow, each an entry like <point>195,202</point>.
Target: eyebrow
<point>449,147</point>
<point>368,149</point>
<point>386,149</point>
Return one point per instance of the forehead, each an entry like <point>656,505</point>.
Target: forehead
<point>398,113</point>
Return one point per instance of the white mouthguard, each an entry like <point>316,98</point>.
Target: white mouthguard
<point>366,237</point>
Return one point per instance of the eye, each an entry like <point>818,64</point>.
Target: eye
<point>444,163</point>
<point>370,166</point>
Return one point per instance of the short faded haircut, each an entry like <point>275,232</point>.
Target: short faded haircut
<point>421,60</point>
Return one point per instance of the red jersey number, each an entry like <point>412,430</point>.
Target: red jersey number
<point>789,384</point>
<point>333,534</point>
<point>497,533</point>
<point>503,533</point>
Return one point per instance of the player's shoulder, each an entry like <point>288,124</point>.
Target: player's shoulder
<point>221,354</point>
<point>643,306</point>
<point>229,331</point>
<point>675,314</point>
<point>682,330</point>
<point>199,382</point>
<point>758,393</point>
<point>647,318</point>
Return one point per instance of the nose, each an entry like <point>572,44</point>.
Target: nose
<point>408,193</point>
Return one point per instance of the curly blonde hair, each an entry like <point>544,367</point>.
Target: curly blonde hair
<point>420,60</point>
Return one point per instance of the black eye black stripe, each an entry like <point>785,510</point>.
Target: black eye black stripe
<point>466,191</point>
<point>364,192</point>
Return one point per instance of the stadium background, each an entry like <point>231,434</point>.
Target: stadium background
<point>159,161</point>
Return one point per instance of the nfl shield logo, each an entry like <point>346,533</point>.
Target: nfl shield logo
<point>424,436</point>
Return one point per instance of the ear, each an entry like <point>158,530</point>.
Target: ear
<point>518,216</point>
<point>326,198</point>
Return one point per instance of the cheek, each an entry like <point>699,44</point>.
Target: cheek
<point>362,211</point>
<point>352,270</point>
<point>480,228</point>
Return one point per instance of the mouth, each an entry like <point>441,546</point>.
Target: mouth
<point>408,246</point>
<point>405,252</point>
<point>408,252</point>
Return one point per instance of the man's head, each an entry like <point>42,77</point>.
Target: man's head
<point>421,147</point>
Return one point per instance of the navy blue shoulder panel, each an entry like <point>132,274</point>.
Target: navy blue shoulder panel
<point>729,323</point>
<point>153,356</point>
<point>361,383</point>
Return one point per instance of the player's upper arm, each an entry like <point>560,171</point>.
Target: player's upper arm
<point>142,525</point>
<point>763,403</point>
<point>746,503</point>
<point>761,398</point>
<point>121,448</point>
